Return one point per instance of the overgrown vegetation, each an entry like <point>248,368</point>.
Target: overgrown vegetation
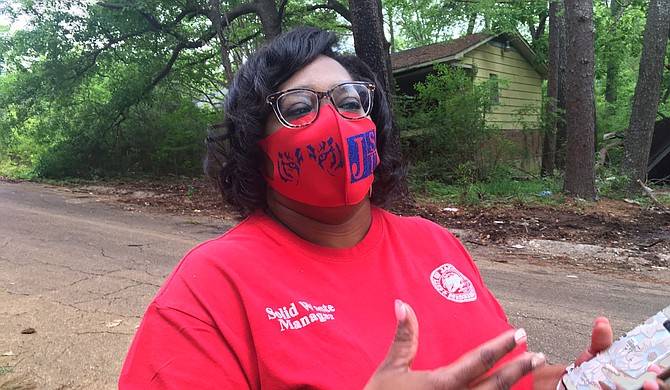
<point>159,136</point>
<point>517,188</point>
<point>444,132</point>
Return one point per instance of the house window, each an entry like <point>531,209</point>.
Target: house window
<point>495,95</point>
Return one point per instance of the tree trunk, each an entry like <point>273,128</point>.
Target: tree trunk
<point>369,40</point>
<point>471,23</point>
<point>215,18</point>
<point>549,142</point>
<point>391,24</point>
<point>647,93</point>
<point>612,71</point>
<point>580,100</point>
<point>270,18</point>
<point>561,129</point>
<point>611,84</point>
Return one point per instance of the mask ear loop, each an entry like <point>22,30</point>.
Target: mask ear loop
<point>370,192</point>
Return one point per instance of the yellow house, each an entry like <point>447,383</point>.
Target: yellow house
<point>506,57</point>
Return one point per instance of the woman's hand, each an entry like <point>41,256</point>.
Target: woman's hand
<point>601,338</point>
<point>467,372</point>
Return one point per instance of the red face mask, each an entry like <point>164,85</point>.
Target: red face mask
<point>327,164</point>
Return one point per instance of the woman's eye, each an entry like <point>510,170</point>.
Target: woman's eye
<point>350,104</point>
<point>295,111</point>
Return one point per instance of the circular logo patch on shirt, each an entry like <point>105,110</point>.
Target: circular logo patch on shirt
<point>452,284</point>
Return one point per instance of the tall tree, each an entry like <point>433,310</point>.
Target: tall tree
<point>549,142</point>
<point>580,103</point>
<point>561,125</point>
<point>647,93</point>
<point>616,11</point>
<point>371,46</point>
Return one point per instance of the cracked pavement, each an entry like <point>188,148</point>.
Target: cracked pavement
<point>80,270</point>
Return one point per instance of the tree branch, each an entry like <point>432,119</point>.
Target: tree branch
<point>282,8</point>
<point>539,32</point>
<point>237,11</point>
<point>340,9</point>
<point>110,5</point>
<point>96,53</point>
<point>244,40</point>
<point>650,194</point>
<point>332,5</point>
<point>622,8</point>
<point>166,70</point>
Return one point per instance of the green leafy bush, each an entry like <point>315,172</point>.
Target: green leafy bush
<point>444,132</point>
<point>159,136</point>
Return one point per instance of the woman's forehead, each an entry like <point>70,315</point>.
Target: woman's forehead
<point>321,74</point>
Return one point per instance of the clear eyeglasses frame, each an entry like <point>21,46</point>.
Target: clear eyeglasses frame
<point>299,107</point>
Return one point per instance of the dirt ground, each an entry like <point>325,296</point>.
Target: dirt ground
<point>637,237</point>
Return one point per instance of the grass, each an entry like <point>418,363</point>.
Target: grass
<point>4,370</point>
<point>527,192</point>
<point>532,191</point>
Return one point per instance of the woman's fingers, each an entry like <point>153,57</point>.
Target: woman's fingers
<point>475,364</point>
<point>406,339</point>
<point>512,372</point>
<point>468,371</point>
<point>601,335</point>
<point>601,338</point>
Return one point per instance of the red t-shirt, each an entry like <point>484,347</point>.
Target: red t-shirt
<point>261,308</point>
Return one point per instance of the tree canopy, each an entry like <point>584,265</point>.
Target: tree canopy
<point>115,87</point>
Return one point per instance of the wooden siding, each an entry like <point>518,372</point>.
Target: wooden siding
<point>520,86</point>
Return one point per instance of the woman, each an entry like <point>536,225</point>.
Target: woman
<point>300,294</point>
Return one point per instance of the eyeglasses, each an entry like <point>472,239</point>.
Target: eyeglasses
<point>299,107</point>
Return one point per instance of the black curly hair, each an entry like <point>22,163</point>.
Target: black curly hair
<point>234,158</point>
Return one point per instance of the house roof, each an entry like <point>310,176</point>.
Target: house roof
<point>454,50</point>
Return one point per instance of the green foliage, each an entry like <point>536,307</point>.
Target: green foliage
<point>618,47</point>
<point>158,137</point>
<point>444,131</point>
<point>89,91</point>
<point>422,22</point>
<point>85,136</point>
<point>503,188</point>
<point>612,184</point>
<point>323,18</point>
<point>182,148</point>
<point>419,22</point>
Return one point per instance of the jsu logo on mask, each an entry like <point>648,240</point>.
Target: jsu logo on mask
<point>362,151</point>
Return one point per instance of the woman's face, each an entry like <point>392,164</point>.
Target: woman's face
<point>321,74</point>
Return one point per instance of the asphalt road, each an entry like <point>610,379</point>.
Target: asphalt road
<point>80,270</point>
